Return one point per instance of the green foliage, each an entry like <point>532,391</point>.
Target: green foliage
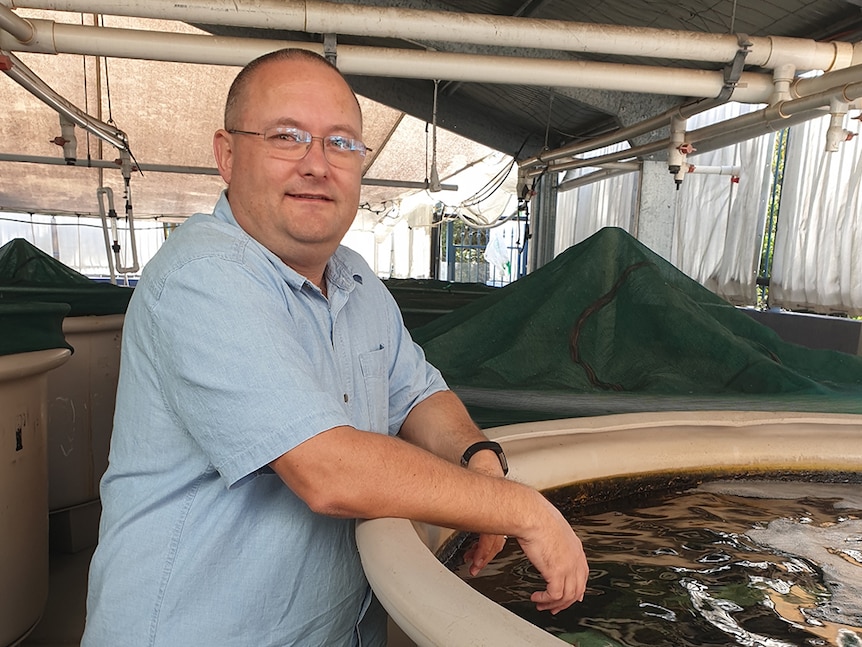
<point>779,157</point>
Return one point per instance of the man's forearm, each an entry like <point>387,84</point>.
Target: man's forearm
<point>441,425</point>
<point>350,473</point>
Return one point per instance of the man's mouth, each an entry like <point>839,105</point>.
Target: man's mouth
<point>310,196</point>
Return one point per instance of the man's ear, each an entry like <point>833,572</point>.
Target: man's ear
<point>223,152</point>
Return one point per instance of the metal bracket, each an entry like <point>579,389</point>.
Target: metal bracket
<point>330,44</point>
<point>733,71</point>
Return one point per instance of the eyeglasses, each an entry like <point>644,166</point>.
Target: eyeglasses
<point>294,144</point>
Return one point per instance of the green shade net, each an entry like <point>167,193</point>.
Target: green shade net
<point>27,327</point>
<point>609,327</point>
<point>421,301</point>
<point>27,274</point>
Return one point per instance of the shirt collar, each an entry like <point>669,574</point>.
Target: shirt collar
<point>338,272</point>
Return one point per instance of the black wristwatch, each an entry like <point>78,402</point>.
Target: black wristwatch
<point>486,444</point>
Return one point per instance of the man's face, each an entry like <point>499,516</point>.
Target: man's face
<point>299,209</point>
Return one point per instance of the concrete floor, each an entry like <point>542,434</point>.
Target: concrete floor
<point>62,622</point>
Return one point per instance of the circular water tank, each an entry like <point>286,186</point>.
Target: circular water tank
<point>24,489</point>
<point>81,396</point>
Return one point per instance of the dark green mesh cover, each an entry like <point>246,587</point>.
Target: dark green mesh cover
<point>610,326</point>
<point>28,274</point>
<point>421,301</point>
<point>27,327</point>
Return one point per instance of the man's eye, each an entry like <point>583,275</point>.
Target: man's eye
<point>289,136</point>
<point>340,143</point>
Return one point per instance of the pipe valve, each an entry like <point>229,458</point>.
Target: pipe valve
<point>835,136</point>
<point>67,140</point>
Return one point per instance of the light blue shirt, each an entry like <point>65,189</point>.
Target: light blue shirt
<point>229,360</point>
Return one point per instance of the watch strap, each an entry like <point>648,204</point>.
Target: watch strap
<point>486,444</point>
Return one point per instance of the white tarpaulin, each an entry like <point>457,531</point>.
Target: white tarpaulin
<point>719,218</point>
<point>818,246</point>
<point>718,222</point>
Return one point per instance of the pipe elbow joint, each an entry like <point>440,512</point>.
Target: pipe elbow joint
<point>835,136</point>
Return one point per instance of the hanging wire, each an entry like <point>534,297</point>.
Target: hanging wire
<point>490,187</point>
<point>548,122</point>
<point>107,79</point>
<point>110,121</point>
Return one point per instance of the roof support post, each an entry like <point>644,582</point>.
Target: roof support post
<point>544,221</point>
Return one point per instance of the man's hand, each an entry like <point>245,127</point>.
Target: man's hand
<point>559,556</point>
<point>483,551</point>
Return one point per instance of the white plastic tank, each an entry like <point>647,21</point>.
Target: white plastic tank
<point>431,606</point>
<point>81,397</point>
<point>24,489</point>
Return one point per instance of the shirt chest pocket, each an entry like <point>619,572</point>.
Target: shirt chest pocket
<point>375,378</point>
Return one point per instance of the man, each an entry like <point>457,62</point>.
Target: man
<point>270,395</point>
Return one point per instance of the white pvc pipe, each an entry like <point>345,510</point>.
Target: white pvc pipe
<point>479,29</point>
<point>772,118</point>
<point>733,171</point>
<point>17,26</point>
<point>805,86</point>
<point>824,86</point>
<point>50,37</point>
<point>727,132</point>
<point>54,38</point>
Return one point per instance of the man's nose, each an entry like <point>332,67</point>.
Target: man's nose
<point>315,157</point>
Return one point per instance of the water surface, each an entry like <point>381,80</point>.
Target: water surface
<point>752,562</point>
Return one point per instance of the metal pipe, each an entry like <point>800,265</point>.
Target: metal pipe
<point>719,140</point>
<point>406,184</point>
<point>641,128</point>
<point>109,164</point>
<point>596,176</point>
<point>629,153</point>
<point>847,92</point>
<point>730,131</point>
<point>478,29</point>
<point>22,75</point>
<point>55,38</point>
<point>620,166</point>
<point>193,170</point>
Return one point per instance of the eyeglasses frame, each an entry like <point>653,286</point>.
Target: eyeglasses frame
<point>362,154</point>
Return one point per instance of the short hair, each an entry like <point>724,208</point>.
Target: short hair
<point>237,91</point>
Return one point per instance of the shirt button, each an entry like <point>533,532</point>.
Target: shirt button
<point>345,397</point>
